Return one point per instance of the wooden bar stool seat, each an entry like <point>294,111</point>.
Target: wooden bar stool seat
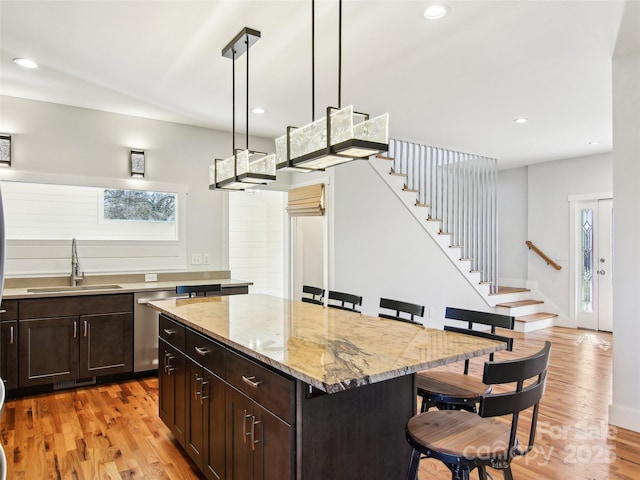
<point>445,388</point>
<point>460,434</point>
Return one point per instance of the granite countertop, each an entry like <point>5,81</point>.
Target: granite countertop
<point>331,349</point>
<point>113,287</point>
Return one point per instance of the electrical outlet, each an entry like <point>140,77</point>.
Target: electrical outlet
<point>205,259</point>
<point>150,277</point>
<point>196,259</point>
<point>430,312</point>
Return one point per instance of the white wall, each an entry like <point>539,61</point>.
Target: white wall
<point>512,227</point>
<point>380,250</point>
<point>60,144</point>
<point>549,186</point>
<point>256,239</point>
<point>624,410</point>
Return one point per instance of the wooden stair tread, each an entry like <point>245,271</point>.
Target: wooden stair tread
<point>536,316</point>
<point>384,157</point>
<point>418,204</point>
<point>397,174</point>
<point>407,189</point>
<point>520,303</point>
<point>504,290</point>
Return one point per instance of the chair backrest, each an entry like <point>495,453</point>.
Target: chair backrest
<point>411,309</point>
<point>472,316</point>
<point>193,290</point>
<point>317,294</point>
<point>517,371</point>
<point>484,318</point>
<point>345,299</point>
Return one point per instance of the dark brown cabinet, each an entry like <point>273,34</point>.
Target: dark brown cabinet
<point>230,435</point>
<point>205,435</point>
<point>106,344</point>
<point>172,390</point>
<point>48,351</point>
<point>260,446</point>
<point>9,353</point>
<point>91,336</point>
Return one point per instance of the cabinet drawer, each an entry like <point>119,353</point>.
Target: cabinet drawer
<point>11,307</point>
<point>206,352</point>
<point>270,389</point>
<point>172,332</point>
<point>81,305</point>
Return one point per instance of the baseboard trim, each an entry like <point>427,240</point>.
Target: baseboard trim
<point>624,417</point>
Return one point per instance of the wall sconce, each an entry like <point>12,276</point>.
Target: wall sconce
<point>137,163</point>
<point>5,150</point>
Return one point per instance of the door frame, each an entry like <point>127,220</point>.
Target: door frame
<point>575,202</point>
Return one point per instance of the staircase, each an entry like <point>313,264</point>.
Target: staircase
<point>529,313</point>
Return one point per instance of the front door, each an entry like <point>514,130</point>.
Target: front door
<point>594,270</point>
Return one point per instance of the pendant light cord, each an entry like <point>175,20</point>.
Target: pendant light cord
<point>246,39</point>
<point>313,60</point>
<point>233,102</point>
<point>340,55</point>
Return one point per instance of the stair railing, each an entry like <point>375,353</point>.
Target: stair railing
<point>461,191</point>
<point>542,255</point>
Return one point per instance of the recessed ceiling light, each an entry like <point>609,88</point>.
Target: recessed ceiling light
<point>521,120</point>
<point>595,142</point>
<point>25,62</point>
<point>434,12</point>
<point>258,110</point>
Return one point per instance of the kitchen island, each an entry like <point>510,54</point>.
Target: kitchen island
<point>294,390</point>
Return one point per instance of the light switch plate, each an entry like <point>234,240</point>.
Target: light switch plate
<point>150,277</point>
<point>196,259</point>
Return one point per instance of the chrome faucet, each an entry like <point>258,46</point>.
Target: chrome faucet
<point>76,275</point>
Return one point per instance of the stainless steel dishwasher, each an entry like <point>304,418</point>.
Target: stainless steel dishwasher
<point>145,329</point>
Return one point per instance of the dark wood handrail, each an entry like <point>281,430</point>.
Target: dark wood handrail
<point>542,255</point>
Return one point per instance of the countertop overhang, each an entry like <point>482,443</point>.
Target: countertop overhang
<point>330,349</point>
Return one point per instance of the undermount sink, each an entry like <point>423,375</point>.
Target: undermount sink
<point>72,289</point>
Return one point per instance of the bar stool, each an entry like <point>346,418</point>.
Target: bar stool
<point>411,309</point>
<point>465,441</point>
<point>459,390</point>
<point>317,295</point>
<point>347,301</point>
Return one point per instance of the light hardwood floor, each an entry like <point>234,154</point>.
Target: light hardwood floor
<point>113,431</point>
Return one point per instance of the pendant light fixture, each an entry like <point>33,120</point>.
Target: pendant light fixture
<point>341,136</point>
<point>245,168</point>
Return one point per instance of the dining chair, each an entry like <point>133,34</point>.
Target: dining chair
<point>317,294</point>
<point>448,390</point>
<point>346,301</point>
<point>411,309</point>
<point>198,290</point>
<point>464,441</point>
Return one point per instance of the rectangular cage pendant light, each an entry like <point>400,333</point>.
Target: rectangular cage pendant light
<point>343,135</point>
<point>245,168</point>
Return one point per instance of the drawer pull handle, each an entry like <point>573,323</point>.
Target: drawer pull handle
<point>202,395</point>
<point>251,381</point>
<point>169,331</point>
<point>201,351</point>
<point>198,393</point>
<point>85,328</point>
<point>244,426</point>
<point>75,329</point>
<point>11,335</point>
<point>254,422</point>
<point>168,367</point>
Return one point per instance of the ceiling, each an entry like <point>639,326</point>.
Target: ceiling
<point>455,83</point>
